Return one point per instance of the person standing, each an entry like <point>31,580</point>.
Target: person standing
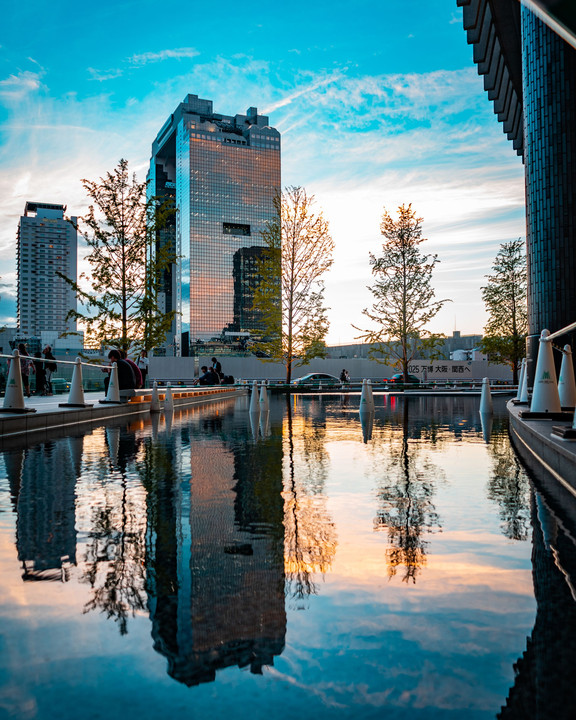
<point>40,374</point>
<point>217,368</point>
<point>50,368</point>
<point>143,363</point>
<point>26,367</point>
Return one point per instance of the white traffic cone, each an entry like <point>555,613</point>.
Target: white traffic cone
<point>168,400</point>
<point>76,395</point>
<point>113,394</point>
<point>545,398</point>
<point>254,400</point>
<point>566,382</point>
<point>155,400</point>
<point>14,395</point>
<point>486,397</point>
<point>521,379</point>
<point>263,401</point>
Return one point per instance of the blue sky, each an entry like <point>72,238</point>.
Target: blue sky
<point>378,104</point>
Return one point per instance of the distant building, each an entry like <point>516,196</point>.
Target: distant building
<point>46,245</point>
<point>449,345</point>
<point>223,172</point>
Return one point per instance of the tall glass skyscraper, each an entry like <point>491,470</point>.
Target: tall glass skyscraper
<point>223,172</point>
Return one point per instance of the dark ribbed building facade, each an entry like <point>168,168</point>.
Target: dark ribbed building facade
<point>529,73</point>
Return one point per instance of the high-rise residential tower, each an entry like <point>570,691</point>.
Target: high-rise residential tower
<point>46,244</point>
<point>223,172</point>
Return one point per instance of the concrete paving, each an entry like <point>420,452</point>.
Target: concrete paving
<point>49,416</point>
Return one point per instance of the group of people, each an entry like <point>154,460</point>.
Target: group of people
<point>212,375</point>
<point>131,375</point>
<point>42,365</point>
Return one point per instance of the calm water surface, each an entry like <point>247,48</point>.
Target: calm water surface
<point>301,565</point>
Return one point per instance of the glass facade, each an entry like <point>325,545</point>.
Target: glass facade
<point>225,171</point>
<point>549,98</point>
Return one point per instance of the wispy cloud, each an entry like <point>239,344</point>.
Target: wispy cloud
<point>103,75</point>
<point>173,54</point>
<point>15,87</point>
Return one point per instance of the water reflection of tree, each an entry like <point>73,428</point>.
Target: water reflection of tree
<point>509,487</point>
<point>406,509</point>
<point>115,547</point>
<point>310,535</point>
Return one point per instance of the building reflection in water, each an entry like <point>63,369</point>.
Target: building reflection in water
<point>214,557</point>
<point>42,480</point>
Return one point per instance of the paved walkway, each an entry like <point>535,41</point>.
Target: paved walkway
<point>51,403</point>
<point>49,416</point>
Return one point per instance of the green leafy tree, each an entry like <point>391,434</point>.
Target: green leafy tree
<point>505,298</point>
<point>290,296</point>
<point>404,300</point>
<point>120,228</point>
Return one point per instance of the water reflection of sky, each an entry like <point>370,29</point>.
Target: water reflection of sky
<point>213,565</point>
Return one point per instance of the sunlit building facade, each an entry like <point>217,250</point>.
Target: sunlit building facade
<point>46,244</point>
<point>223,172</point>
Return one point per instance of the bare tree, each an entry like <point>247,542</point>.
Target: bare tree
<point>404,300</point>
<point>290,296</point>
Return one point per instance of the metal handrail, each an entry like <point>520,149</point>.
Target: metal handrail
<point>560,332</point>
<point>56,360</point>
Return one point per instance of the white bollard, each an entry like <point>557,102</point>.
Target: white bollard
<point>113,394</point>
<point>486,397</point>
<point>254,418</point>
<point>263,401</point>
<point>524,389</point>
<point>566,382</point>
<point>155,400</point>
<point>370,394</point>
<point>76,395</point>
<point>545,398</point>
<point>14,395</point>
<point>486,420</point>
<point>168,400</point>
<point>367,423</point>
<point>521,379</point>
<point>254,400</point>
<point>364,399</point>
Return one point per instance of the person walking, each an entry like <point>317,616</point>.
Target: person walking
<point>143,363</point>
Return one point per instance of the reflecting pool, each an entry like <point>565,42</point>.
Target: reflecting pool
<point>310,562</point>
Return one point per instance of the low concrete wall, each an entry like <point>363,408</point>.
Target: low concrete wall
<point>250,368</point>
